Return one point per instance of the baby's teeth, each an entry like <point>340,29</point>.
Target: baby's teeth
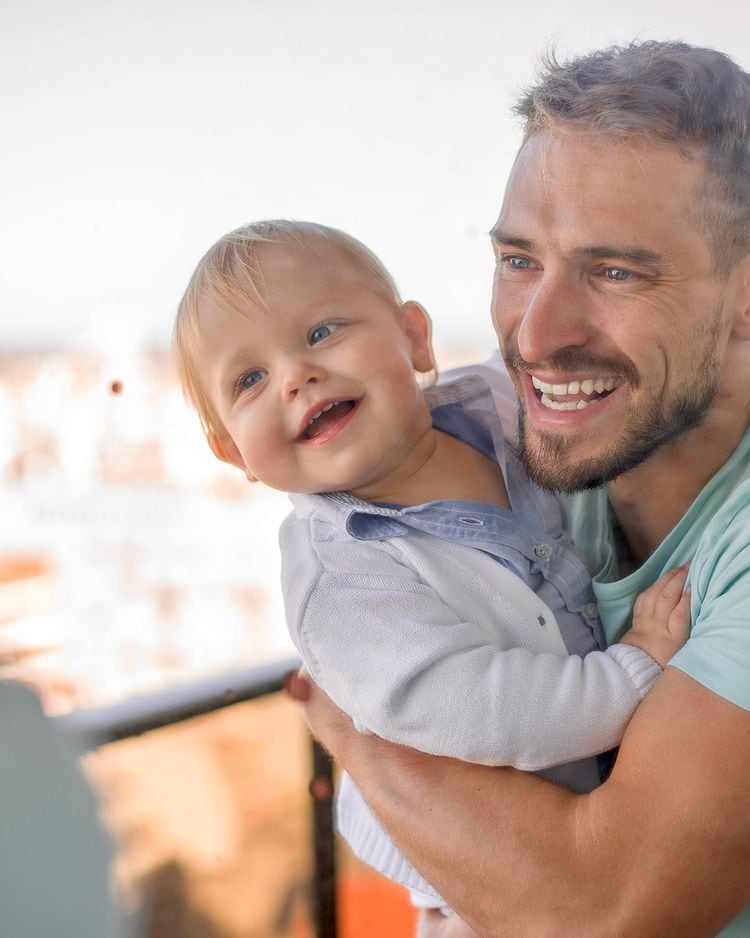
<point>327,407</point>
<point>574,387</point>
<point>587,386</point>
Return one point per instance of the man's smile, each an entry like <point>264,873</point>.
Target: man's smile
<point>577,394</point>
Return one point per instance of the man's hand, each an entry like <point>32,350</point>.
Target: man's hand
<point>433,924</point>
<point>328,724</point>
<point>660,849</point>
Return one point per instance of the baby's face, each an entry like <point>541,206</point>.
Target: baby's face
<point>317,394</point>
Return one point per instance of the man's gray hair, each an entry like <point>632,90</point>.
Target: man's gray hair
<point>694,98</point>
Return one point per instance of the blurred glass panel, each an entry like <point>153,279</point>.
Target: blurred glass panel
<point>129,556</point>
<point>213,821</point>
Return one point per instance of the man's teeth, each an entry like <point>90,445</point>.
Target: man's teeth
<point>566,405</point>
<point>327,407</point>
<point>588,387</point>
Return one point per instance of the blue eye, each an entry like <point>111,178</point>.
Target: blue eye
<point>617,274</point>
<point>323,331</point>
<point>517,263</point>
<point>251,379</point>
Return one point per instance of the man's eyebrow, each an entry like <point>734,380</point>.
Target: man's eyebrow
<point>498,236</point>
<point>597,252</point>
<point>594,252</point>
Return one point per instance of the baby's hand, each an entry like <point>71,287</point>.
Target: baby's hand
<point>661,617</point>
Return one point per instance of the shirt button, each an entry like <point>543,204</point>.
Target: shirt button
<point>543,551</point>
<point>591,610</point>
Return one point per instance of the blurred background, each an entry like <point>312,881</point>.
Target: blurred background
<point>136,133</point>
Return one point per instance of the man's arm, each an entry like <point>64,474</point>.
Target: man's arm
<point>661,849</point>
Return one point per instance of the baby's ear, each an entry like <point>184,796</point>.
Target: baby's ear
<point>224,448</point>
<point>418,329</point>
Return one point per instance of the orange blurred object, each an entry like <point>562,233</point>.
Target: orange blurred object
<point>373,907</point>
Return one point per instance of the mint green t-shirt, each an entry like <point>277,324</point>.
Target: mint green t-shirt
<point>714,536</point>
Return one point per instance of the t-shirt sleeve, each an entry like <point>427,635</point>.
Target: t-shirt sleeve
<point>717,653</point>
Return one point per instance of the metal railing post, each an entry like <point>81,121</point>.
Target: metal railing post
<point>324,845</point>
<point>99,726</point>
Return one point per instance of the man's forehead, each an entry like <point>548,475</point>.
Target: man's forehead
<point>579,181</point>
<point>556,161</point>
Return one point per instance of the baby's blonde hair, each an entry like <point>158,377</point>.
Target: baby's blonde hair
<point>230,274</point>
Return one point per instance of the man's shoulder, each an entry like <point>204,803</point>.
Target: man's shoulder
<point>719,647</point>
<point>718,521</point>
<point>727,533</point>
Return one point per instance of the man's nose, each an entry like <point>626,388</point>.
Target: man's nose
<point>556,317</point>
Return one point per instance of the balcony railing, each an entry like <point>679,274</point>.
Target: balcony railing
<point>99,726</point>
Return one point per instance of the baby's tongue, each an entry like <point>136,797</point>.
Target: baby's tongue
<point>328,419</point>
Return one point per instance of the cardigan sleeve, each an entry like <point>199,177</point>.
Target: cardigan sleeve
<point>405,666</point>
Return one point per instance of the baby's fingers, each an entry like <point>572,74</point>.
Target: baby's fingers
<point>678,624</point>
<point>659,600</point>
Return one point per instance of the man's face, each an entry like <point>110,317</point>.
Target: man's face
<point>609,316</point>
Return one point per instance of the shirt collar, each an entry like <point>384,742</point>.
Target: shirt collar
<point>464,408</point>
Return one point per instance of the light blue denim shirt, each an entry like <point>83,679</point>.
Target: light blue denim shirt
<point>531,540</point>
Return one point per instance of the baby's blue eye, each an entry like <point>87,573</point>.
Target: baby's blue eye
<point>322,331</point>
<point>251,378</point>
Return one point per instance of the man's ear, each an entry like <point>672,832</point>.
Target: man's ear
<point>224,448</point>
<point>742,318</point>
<point>418,328</point>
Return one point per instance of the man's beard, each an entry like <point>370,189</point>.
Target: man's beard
<point>550,462</point>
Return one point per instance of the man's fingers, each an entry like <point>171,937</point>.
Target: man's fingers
<point>433,924</point>
<point>298,686</point>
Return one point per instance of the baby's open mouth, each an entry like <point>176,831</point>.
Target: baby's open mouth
<point>326,418</point>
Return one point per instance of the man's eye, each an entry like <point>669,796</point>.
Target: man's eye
<point>251,379</point>
<point>617,274</point>
<point>517,263</point>
<point>322,331</point>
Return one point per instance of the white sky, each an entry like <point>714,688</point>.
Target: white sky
<point>135,132</point>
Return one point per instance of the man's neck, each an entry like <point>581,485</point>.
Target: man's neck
<point>650,500</point>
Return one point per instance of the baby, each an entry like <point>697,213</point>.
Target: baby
<point>430,588</point>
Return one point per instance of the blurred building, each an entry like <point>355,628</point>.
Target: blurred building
<point>128,555</point>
